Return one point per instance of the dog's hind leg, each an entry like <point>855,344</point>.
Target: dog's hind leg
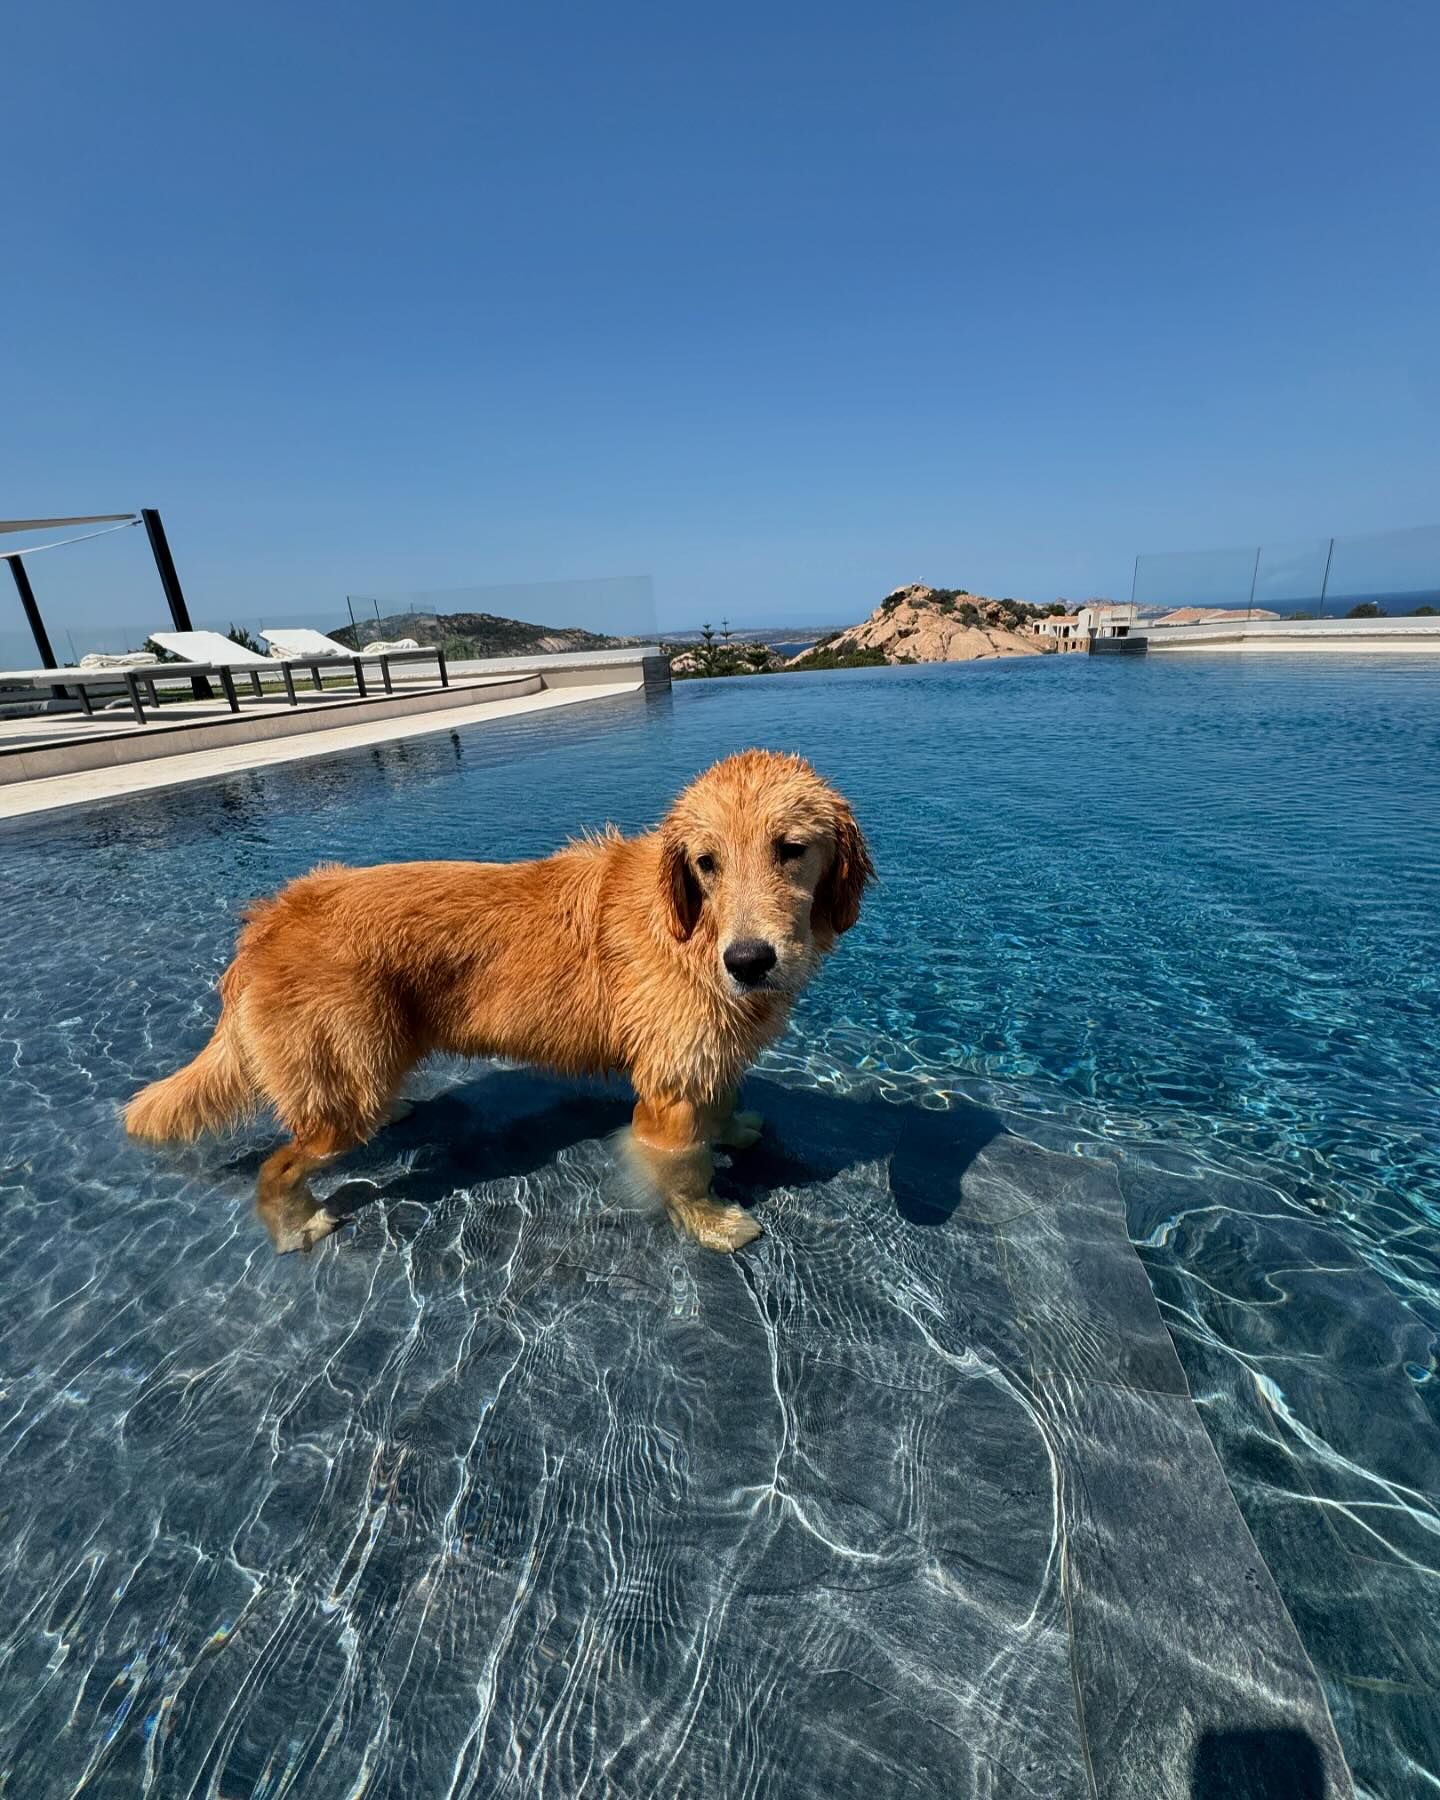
<point>670,1142</point>
<point>331,1075</point>
<point>288,1210</point>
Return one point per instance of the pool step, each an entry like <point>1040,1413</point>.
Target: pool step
<point>1157,1659</point>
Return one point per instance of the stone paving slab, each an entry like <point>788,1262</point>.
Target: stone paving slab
<point>510,1490</point>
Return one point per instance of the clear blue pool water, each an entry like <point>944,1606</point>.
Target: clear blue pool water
<point>280,1526</point>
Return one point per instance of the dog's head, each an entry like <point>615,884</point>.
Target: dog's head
<point>767,859</point>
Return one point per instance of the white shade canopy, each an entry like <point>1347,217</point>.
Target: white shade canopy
<point>88,519</point>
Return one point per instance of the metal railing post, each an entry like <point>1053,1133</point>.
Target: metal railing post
<point>1325,584</point>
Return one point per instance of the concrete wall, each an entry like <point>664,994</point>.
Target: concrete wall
<point>644,665</point>
<point>562,671</point>
<point>1375,637</point>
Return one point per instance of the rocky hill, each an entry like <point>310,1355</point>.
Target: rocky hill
<point>918,624</point>
<point>469,634</point>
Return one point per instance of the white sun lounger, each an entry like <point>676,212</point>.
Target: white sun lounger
<point>209,646</point>
<point>215,647</point>
<point>212,646</point>
<point>131,678</point>
<point>302,641</point>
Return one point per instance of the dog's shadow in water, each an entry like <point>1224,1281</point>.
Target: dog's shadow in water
<point>812,1136</point>
<point>513,1122</point>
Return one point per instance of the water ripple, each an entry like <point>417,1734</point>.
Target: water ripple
<point>510,1492</point>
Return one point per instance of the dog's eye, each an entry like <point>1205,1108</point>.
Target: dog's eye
<point>705,864</point>
<point>789,851</point>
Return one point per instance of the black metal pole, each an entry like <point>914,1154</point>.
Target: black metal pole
<point>1325,584</point>
<point>174,593</point>
<point>48,658</point>
<point>165,563</point>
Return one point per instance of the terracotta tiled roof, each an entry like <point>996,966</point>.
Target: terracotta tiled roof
<point>1204,615</point>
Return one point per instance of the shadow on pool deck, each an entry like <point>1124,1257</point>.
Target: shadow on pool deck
<point>523,1120</point>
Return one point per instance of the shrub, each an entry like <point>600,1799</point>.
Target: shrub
<point>715,658</point>
<point>821,658</point>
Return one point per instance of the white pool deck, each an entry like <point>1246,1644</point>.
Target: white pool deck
<point>52,760</point>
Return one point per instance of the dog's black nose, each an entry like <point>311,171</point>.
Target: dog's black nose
<point>750,960</point>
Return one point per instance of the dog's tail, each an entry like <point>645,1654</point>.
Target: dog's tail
<point>207,1095</point>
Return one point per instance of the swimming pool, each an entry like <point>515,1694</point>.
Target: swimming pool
<point>509,1491</point>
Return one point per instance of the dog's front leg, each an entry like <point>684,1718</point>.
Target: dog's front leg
<point>671,1140</point>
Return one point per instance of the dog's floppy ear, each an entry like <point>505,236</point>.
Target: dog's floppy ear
<point>837,899</point>
<point>680,895</point>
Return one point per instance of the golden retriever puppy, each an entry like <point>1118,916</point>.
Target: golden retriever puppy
<point>673,957</point>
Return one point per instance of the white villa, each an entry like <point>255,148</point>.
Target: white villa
<point>1097,618</point>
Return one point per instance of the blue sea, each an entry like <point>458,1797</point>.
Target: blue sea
<point>507,1491</point>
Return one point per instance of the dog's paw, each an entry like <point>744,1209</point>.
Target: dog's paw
<point>317,1228</point>
<point>724,1228</point>
<point>298,1227</point>
<point>742,1130</point>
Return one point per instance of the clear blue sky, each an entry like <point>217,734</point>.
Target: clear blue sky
<point>783,304</point>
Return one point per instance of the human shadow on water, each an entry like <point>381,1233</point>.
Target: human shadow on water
<point>1276,1763</point>
<point>513,1122</point>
